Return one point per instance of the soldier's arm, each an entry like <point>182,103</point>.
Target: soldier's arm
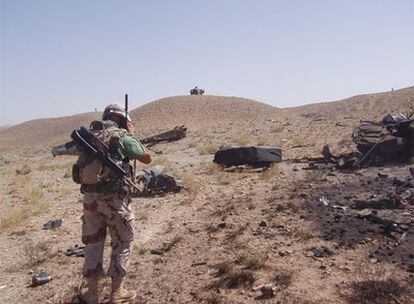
<point>132,148</point>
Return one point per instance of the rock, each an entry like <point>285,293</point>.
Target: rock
<point>222,225</point>
<point>24,170</point>
<point>382,175</point>
<point>53,224</point>
<point>373,260</point>
<point>267,290</point>
<point>285,253</point>
<point>322,251</point>
<point>41,279</point>
<point>263,223</point>
<point>157,251</point>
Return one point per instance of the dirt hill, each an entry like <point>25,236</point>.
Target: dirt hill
<point>43,132</point>
<point>318,236</point>
<point>360,106</point>
<point>192,111</point>
<point>198,112</point>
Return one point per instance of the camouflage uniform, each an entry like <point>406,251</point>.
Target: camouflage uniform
<point>102,211</point>
<point>109,209</point>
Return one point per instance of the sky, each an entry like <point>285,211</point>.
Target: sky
<point>63,57</point>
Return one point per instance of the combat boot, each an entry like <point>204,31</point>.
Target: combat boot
<point>119,294</point>
<point>89,294</point>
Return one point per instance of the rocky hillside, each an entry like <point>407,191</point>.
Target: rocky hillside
<point>198,111</point>
<point>232,115</point>
<point>360,106</point>
<point>43,132</point>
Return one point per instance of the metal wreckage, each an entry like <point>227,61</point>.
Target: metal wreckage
<point>151,181</point>
<point>388,141</point>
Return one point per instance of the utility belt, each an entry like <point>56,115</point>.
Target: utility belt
<point>114,186</point>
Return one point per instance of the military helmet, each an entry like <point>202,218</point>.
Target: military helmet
<point>115,108</point>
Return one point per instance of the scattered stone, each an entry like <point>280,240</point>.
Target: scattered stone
<point>382,175</point>
<point>24,170</point>
<point>285,253</point>
<point>322,251</point>
<point>157,251</point>
<point>198,264</point>
<point>263,223</point>
<point>222,225</point>
<point>373,260</point>
<point>53,224</point>
<point>41,279</point>
<point>267,290</point>
<point>324,201</point>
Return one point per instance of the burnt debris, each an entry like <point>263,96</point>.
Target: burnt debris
<point>179,132</point>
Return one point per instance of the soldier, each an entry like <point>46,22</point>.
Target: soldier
<point>106,206</point>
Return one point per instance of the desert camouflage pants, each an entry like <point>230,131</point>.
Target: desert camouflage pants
<point>102,212</point>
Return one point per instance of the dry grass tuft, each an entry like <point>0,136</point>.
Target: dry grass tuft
<point>232,278</point>
<point>223,268</point>
<point>274,172</point>
<point>235,279</point>
<point>376,287</point>
<point>39,253</point>
<point>263,141</point>
<point>241,141</point>
<point>251,262</point>
<point>214,299</point>
<point>192,182</point>
<point>236,233</point>
<point>283,279</point>
<point>32,205</point>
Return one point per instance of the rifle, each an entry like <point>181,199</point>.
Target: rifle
<point>134,169</point>
<point>87,141</point>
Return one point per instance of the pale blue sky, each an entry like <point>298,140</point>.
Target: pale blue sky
<point>62,57</point>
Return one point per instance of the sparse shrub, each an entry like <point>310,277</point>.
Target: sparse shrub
<point>376,287</point>
<point>34,204</point>
<point>38,253</point>
<point>240,279</point>
<point>223,268</point>
<point>237,232</point>
<point>232,278</point>
<point>283,279</point>
<point>34,195</point>
<point>214,299</point>
<point>251,262</point>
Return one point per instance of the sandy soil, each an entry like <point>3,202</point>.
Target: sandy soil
<point>229,232</point>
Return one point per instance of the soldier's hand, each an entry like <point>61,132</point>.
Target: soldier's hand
<point>130,127</point>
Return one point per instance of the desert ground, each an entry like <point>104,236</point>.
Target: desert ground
<point>226,232</point>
